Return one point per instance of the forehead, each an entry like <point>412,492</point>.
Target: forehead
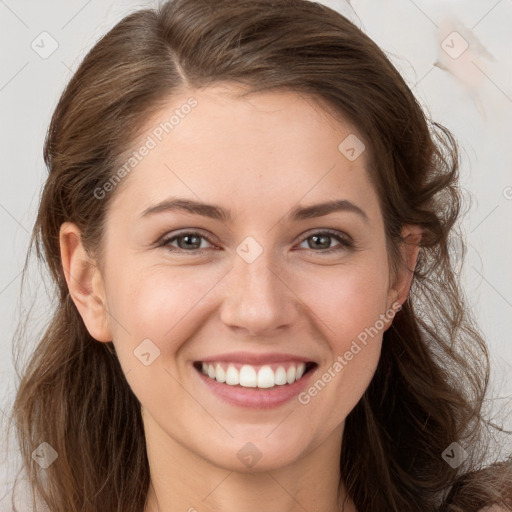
<point>271,148</point>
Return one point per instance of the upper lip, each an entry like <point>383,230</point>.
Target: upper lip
<point>255,359</point>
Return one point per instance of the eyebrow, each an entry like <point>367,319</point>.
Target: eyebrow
<point>220,213</point>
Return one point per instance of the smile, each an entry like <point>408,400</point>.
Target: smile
<point>254,376</point>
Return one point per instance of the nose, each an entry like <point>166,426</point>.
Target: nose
<point>258,299</point>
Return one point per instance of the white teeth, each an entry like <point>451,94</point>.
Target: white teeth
<point>249,377</point>
<point>280,376</point>
<point>220,374</point>
<point>232,376</point>
<point>266,377</point>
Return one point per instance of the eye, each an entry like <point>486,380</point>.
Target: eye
<point>190,241</point>
<point>321,240</point>
<point>187,241</point>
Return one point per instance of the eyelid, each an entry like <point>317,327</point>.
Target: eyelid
<point>164,240</point>
<point>329,231</point>
<point>345,241</point>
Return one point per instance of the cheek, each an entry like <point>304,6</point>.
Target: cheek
<point>347,300</point>
<point>350,306</point>
<point>157,303</point>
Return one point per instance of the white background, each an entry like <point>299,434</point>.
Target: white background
<point>471,95</point>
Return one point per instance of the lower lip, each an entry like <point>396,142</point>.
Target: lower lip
<point>256,398</point>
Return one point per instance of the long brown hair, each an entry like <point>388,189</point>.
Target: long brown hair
<point>429,388</point>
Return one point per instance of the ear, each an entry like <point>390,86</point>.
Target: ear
<point>84,282</point>
<point>409,249</point>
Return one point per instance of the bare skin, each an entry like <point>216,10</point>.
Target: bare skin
<point>259,157</point>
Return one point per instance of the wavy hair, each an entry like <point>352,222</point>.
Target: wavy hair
<point>431,382</point>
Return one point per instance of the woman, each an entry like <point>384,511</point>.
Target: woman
<point>247,218</point>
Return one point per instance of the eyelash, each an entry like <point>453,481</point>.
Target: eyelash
<point>345,242</point>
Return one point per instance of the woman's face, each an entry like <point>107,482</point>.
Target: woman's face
<point>256,287</point>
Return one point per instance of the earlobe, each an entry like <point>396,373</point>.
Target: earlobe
<point>409,250</point>
<point>84,282</point>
